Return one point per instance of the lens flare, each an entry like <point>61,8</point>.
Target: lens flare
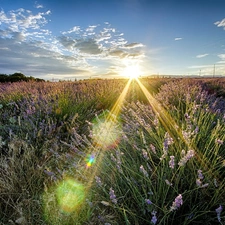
<point>90,160</point>
<point>70,194</point>
<point>106,131</point>
<point>65,198</point>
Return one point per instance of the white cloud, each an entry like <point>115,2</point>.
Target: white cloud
<point>221,56</point>
<point>178,39</point>
<point>133,45</point>
<point>38,6</point>
<point>222,59</point>
<point>201,56</point>
<point>75,29</point>
<point>88,46</point>
<point>26,46</point>
<point>220,23</point>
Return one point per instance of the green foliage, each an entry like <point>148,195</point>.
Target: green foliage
<point>16,77</point>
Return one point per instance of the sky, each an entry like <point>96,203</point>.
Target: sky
<point>71,39</point>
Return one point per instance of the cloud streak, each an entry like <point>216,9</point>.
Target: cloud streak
<point>201,56</point>
<point>220,23</point>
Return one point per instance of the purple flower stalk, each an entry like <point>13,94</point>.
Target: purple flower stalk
<point>112,196</point>
<point>154,218</point>
<point>198,182</point>
<point>98,180</point>
<point>171,162</point>
<point>148,201</point>
<point>142,169</point>
<point>168,183</point>
<point>190,154</point>
<point>200,175</point>
<point>153,148</point>
<point>145,154</point>
<point>177,203</point>
<point>218,211</point>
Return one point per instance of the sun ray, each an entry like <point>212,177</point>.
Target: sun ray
<point>108,127</point>
<point>172,128</point>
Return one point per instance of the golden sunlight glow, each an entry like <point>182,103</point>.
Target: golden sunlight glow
<point>132,71</point>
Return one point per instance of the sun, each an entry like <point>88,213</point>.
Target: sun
<point>132,71</point>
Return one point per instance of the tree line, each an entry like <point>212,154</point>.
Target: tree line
<point>16,77</point>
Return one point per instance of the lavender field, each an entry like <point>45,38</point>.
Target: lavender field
<point>135,152</point>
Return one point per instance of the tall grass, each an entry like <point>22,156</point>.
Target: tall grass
<point>53,171</point>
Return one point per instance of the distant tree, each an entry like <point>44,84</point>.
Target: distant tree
<point>3,78</point>
<point>16,77</point>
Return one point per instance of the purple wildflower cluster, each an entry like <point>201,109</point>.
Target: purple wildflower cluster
<point>178,202</point>
<point>200,179</point>
<point>142,169</point>
<point>186,157</point>
<point>154,218</point>
<point>167,141</point>
<point>172,162</point>
<point>218,212</point>
<point>112,196</point>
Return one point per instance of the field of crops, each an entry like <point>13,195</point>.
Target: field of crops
<point>133,152</point>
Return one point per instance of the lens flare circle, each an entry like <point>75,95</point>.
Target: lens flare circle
<point>106,131</point>
<point>66,197</point>
<point>70,194</point>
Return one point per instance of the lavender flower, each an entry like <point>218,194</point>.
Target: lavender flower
<point>198,182</point>
<point>168,183</point>
<point>177,203</point>
<point>112,196</point>
<point>153,148</point>
<point>148,201</point>
<point>200,176</point>
<point>98,180</point>
<point>171,162</point>
<point>154,218</point>
<point>190,154</point>
<point>218,141</point>
<point>218,211</point>
<point>142,169</point>
<point>145,154</point>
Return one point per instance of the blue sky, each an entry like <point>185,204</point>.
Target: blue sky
<point>55,39</point>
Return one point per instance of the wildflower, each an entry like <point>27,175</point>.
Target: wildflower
<point>190,154</point>
<point>171,162</point>
<point>145,154</point>
<point>154,218</point>
<point>153,148</point>
<point>200,176</point>
<point>177,203</point>
<point>148,201</point>
<point>168,183</point>
<point>218,211</point>
<point>98,180</point>
<point>205,185</point>
<point>112,196</point>
<point>198,182</point>
<point>142,169</point>
<point>218,141</point>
